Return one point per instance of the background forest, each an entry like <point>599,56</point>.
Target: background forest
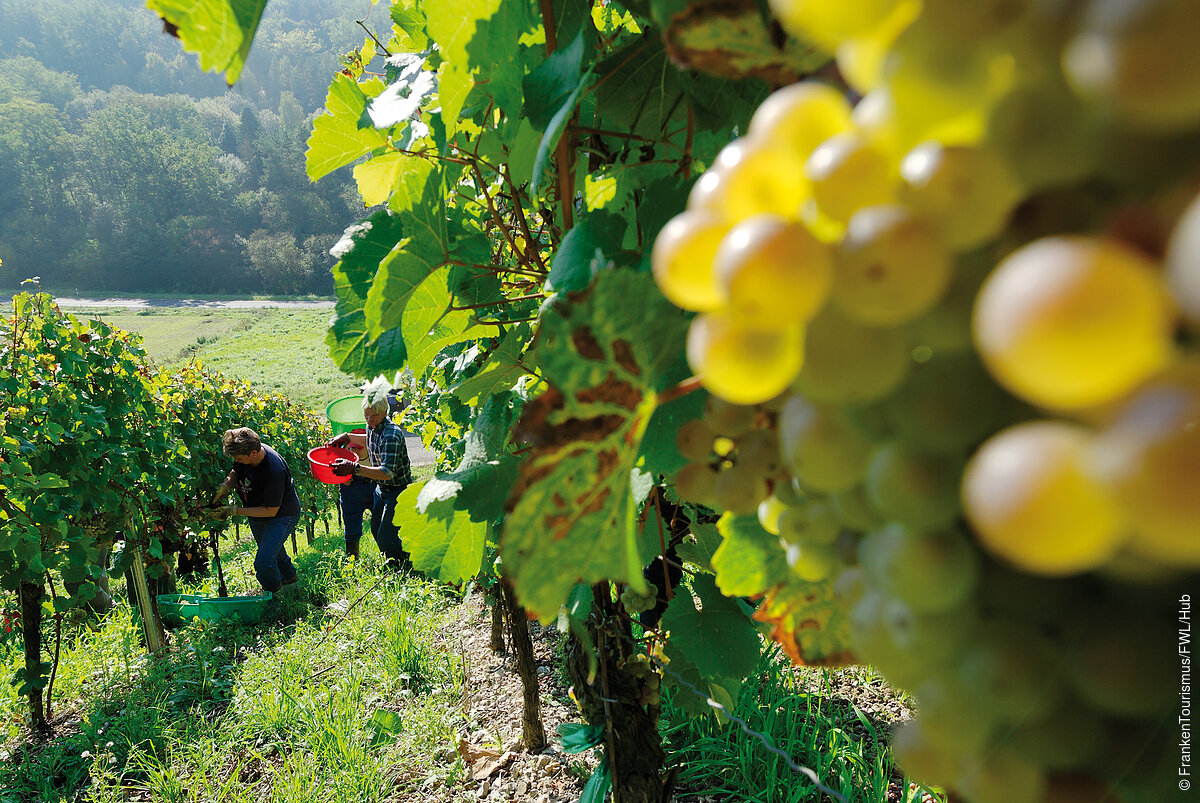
<point>123,167</point>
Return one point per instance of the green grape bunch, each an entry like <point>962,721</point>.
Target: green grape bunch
<point>957,395</point>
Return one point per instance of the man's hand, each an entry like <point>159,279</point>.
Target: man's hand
<point>342,468</point>
<point>342,440</point>
<point>221,512</point>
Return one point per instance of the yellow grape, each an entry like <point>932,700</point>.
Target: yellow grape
<point>827,23</point>
<point>848,172</point>
<point>853,511</point>
<point>1073,322</point>
<point>741,364</point>
<point>922,760</point>
<point>812,522</point>
<point>740,490</point>
<point>760,448</point>
<point>891,267</point>
<point>823,450</point>
<point>1030,503</point>
<point>913,486</point>
<point>967,192</point>
<point>860,59</point>
<point>752,177</point>
<point>874,117</point>
<point>682,260</point>
<point>1067,145</point>
<point>811,562</point>
<point>697,482</point>
<point>801,116</point>
<point>694,440</point>
<point>1141,60</point>
<point>1150,458</point>
<point>976,20</point>
<point>773,271</point>
<point>730,420</point>
<point>770,510</point>
<point>931,572</point>
<point>1183,263</point>
<point>848,362</point>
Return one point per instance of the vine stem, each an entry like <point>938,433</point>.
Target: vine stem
<point>662,542</point>
<point>521,221</point>
<point>682,389</point>
<point>566,195</point>
<point>491,204</point>
<point>497,303</point>
<point>57,645</point>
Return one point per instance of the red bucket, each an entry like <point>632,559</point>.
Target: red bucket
<point>319,460</point>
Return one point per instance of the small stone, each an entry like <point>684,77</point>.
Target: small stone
<point>522,788</point>
<point>484,788</point>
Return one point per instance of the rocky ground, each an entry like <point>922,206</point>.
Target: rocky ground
<point>490,742</point>
<point>500,769</point>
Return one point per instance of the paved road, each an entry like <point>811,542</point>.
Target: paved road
<point>190,303</point>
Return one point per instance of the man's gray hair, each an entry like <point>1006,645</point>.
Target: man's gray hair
<point>380,406</point>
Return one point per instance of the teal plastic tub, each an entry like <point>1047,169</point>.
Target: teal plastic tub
<point>245,610</point>
<point>175,609</point>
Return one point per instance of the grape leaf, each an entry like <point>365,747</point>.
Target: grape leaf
<point>731,39</point>
<point>219,31</point>
<point>749,560</point>
<point>442,543</point>
<point>808,622</point>
<point>588,247</point>
<point>482,479</point>
<point>499,372</point>
<point>337,140</point>
<point>717,637</point>
<point>570,514</point>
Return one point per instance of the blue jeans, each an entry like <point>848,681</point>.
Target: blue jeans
<point>355,498</point>
<point>272,565</point>
<point>387,534</point>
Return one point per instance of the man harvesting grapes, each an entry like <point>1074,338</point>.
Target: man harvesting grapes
<point>387,466</point>
<point>269,501</point>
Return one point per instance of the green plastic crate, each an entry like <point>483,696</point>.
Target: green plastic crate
<point>246,610</point>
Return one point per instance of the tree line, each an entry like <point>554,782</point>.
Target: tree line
<point>123,167</point>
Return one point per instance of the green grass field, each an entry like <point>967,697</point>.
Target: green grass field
<point>272,349</point>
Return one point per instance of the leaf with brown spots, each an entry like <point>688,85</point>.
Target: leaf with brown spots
<point>605,352</point>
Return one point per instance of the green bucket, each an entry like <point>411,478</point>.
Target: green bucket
<point>175,609</point>
<point>246,610</point>
<point>345,414</point>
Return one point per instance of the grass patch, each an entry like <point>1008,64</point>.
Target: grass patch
<point>343,693</point>
<point>833,737</point>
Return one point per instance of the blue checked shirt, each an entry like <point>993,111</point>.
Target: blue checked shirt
<point>387,450</point>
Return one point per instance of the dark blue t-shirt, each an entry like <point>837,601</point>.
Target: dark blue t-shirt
<point>269,484</point>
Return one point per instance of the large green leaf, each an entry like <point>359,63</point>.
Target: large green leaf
<point>442,543</point>
<point>220,32</point>
<point>499,372</point>
<point>362,247</point>
<point>717,637</point>
<point>337,138</point>
<point>354,351</point>
<point>571,512</point>
<point>588,247</point>
<point>749,561</point>
<point>482,479</point>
